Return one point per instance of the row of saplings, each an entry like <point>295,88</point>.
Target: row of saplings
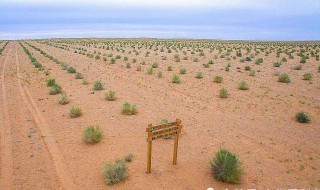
<point>225,166</point>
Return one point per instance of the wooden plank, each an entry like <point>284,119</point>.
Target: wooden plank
<point>161,126</point>
<point>162,135</point>
<point>149,157</point>
<point>175,149</point>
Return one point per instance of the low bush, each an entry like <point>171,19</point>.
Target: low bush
<point>71,70</point>
<point>51,82</point>
<point>128,109</point>
<point>75,112</point>
<point>176,79</point>
<point>183,71</point>
<point>298,67</point>
<point>199,75</point>
<point>85,82</point>
<point>307,76</point>
<point>97,85</point>
<point>114,172</point>
<point>128,158</point>
<point>259,61</point>
<point>155,65</point>
<point>247,68</point>
<point>160,75</point>
<point>243,85</point>
<point>110,95</point>
<point>302,117</point>
<point>218,79</point>
<point>252,73</point>
<point>63,99</point>
<point>284,78</point>
<point>92,134</point>
<point>169,68</point>
<point>78,76</point>
<point>277,64</point>
<point>55,89</point>
<point>223,93</point>
<point>150,71</point>
<point>226,167</point>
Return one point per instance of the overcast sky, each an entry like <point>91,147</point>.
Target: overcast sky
<point>213,19</point>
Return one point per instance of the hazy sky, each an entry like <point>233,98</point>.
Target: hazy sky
<point>227,19</point>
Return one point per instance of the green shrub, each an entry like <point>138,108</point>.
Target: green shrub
<point>227,68</point>
<point>112,60</point>
<point>206,65</point>
<point>160,75</point>
<point>243,85</point>
<point>247,68</point>
<point>218,79</point>
<point>176,79</point>
<point>223,93</point>
<point>84,82</point>
<point>150,71</point>
<point>199,75</point>
<point>211,62</point>
<point>298,67</point>
<point>128,109</point>
<point>75,112</point>
<point>183,71</point>
<point>307,76</point>
<point>252,73</point>
<point>259,61</point>
<point>169,68</point>
<point>97,85</point>
<point>155,65</point>
<point>110,95</point>
<point>196,59</point>
<point>78,76</point>
<point>277,64</point>
<point>63,99</point>
<point>303,60</point>
<point>128,158</point>
<point>226,167</point>
<point>284,59</point>
<point>55,89</point>
<point>92,134</point>
<point>51,82</point>
<point>302,117</point>
<point>128,65</point>
<point>71,70</point>
<point>284,78</point>
<point>242,60</point>
<point>114,172</point>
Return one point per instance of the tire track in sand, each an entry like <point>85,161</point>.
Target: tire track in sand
<point>50,142</point>
<point>6,180</point>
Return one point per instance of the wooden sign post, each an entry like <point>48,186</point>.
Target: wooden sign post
<point>161,131</point>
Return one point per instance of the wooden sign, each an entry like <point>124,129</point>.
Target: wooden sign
<point>162,131</point>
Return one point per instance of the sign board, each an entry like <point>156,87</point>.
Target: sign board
<point>162,131</point>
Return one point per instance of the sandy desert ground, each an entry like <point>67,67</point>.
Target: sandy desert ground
<point>41,145</point>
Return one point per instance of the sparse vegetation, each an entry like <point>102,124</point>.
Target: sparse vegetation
<point>176,79</point>
<point>243,85</point>
<point>75,112</point>
<point>307,76</point>
<point>92,134</point>
<point>97,85</point>
<point>302,117</point>
<point>284,78</point>
<point>110,95</point>
<point>218,79</point>
<point>226,167</point>
<point>129,109</point>
<point>63,99</point>
<point>223,93</point>
<point>114,172</point>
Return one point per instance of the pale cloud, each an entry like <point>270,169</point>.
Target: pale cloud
<point>278,5</point>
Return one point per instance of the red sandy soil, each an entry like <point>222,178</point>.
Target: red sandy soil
<point>41,146</point>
